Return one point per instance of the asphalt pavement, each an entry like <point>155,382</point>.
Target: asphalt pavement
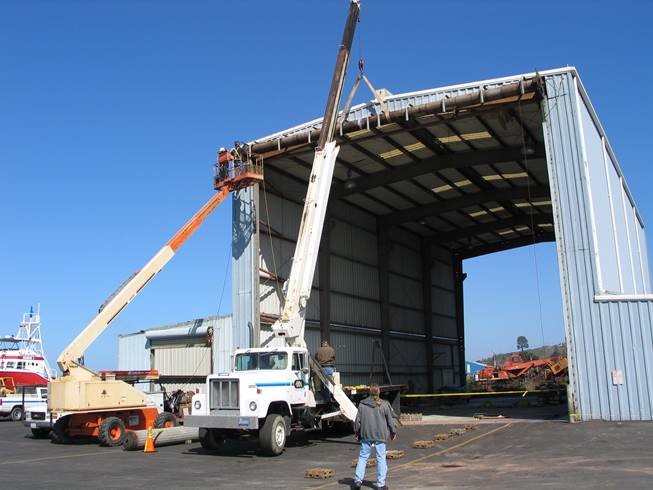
<point>500,455</point>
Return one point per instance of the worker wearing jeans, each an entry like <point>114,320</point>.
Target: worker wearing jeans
<point>373,426</point>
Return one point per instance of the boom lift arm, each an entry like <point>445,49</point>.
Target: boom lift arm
<point>68,359</point>
<point>291,324</point>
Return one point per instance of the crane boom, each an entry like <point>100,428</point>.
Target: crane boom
<point>68,359</point>
<point>292,321</point>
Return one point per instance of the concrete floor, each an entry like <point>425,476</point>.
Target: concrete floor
<point>498,455</point>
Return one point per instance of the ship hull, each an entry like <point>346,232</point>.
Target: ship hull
<point>24,378</point>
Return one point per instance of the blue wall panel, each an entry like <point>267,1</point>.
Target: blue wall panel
<point>599,236</point>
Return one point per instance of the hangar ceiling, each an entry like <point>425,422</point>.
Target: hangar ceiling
<point>467,171</point>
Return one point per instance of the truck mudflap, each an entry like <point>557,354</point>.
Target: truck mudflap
<point>221,422</point>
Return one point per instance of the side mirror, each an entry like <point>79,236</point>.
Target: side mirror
<point>305,370</point>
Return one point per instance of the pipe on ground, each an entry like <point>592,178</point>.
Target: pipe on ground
<point>135,440</point>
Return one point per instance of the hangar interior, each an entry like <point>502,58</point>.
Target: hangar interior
<point>434,178</point>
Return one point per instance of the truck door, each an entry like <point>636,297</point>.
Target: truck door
<point>299,388</point>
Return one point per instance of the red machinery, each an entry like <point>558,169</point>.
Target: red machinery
<point>516,366</point>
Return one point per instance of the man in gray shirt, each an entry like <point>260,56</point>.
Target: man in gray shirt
<point>373,426</point>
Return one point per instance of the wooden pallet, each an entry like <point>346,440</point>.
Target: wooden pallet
<point>423,444</point>
<point>441,437</point>
<point>319,473</point>
<point>370,462</point>
<point>471,427</point>
<point>394,454</point>
<point>457,432</point>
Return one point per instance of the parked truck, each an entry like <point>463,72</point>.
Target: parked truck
<point>274,389</point>
<point>13,403</point>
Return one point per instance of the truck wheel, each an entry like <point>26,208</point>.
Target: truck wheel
<point>210,439</point>
<point>59,431</point>
<point>16,413</point>
<point>40,433</point>
<point>111,432</point>
<point>165,420</point>
<point>273,434</point>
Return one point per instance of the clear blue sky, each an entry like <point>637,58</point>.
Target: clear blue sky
<point>111,112</point>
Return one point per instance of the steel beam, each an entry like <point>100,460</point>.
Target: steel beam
<point>427,305</point>
<point>416,213</point>
<point>458,278</point>
<point>468,231</point>
<point>430,165</point>
<point>468,253</point>
<point>526,89</point>
<point>383,254</point>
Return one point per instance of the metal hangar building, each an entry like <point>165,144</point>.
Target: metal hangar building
<point>436,177</point>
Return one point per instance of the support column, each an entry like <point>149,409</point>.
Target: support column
<point>427,305</point>
<point>245,268</point>
<point>324,273</point>
<point>458,278</point>
<point>383,254</point>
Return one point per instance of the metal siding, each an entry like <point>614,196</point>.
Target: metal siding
<point>222,344</point>
<point>406,291</point>
<point>604,236</point>
<point>244,268</point>
<point>353,278</point>
<point>404,320</point>
<point>176,361</point>
<point>354,311</point>
<point>132,352</point>
<point>134,349</point>
<point>606,336</point>
<point>445,327</point>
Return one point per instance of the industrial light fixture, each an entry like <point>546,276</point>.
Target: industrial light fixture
<point>422,222</point>
<point>529,147</point>
<point>349,183</point>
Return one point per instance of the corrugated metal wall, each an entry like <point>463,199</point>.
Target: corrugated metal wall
<point>133,353</point>
<point>603,262</point>
<point>179,357</point>
<point>355,299</point>
<point>194,360</point>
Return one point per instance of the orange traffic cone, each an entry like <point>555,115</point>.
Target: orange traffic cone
<point>149,442</point>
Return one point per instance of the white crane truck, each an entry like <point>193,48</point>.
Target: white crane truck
<point>275,389</point>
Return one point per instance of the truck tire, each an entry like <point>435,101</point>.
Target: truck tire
<point>165,420</point>
<point>210,439</point>
<point>272,436</point>
<point>60,431</point>
<point>17,413</point>
<point>111,432</point>
<point>40,433</point>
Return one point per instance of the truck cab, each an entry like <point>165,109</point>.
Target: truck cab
<point>268,393</point>
<point>15,404</point>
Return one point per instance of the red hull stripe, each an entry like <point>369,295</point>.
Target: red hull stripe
<point>24,377</point>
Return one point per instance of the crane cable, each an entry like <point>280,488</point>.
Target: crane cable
<point>532,219</point>
<point>275,280</point>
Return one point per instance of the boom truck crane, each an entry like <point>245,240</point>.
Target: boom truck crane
<point>273,390</point>
<point>97,404</point>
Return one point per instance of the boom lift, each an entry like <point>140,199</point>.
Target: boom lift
<point>274,389</point>
<point>99,404</point>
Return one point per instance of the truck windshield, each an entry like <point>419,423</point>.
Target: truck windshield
<point>261,360</point>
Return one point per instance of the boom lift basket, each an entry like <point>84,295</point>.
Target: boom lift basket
<point>236,173</point>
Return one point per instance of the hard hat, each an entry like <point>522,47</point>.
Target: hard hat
<point>222,149</point>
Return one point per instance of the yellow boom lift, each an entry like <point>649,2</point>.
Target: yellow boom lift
<point>97,404</point>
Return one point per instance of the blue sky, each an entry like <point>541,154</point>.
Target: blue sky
<point>111,112</point>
